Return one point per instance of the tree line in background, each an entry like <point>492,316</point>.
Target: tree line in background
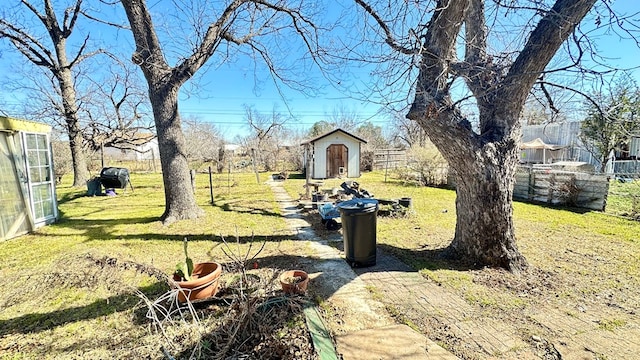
<point>274,142</point>
<point>611,121</point>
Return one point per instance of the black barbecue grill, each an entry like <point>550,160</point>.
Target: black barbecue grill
<point>114,178</point>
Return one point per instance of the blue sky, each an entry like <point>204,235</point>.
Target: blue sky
<point>225,90</point>
<point>231,90</point>
<point>225,108</point>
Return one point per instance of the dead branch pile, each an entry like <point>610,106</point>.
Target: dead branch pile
<point>262,328</point>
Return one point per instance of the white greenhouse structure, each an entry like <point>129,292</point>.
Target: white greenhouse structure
<point>27,183</point>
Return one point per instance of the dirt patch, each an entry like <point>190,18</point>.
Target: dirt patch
<point>542,314</point>
<point>534,282</point>
<point>260,322</point>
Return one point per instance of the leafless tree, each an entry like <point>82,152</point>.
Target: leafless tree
<point>293,156</point>
<point>228,29</point>
<point>266,136</point>
<point>61,156</point>
<point>447,40</point>
<point>49,50</point>
<point>407,133</point>
<point>375,140</point>
<point>204,143</point>
<point>116,109</point>
<point>320,127</point>
<point>344,118</point>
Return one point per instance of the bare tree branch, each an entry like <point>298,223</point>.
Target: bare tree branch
<point>56,62</point>
<point>215,33</point>
<point>389,38</point>
<point>67,25</point>
<point>556,26</point>
<point>28,45</point>
<point>572,89</point>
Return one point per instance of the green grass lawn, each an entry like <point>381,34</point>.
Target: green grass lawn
<point>57,304</point>
<point>584,265</point>
<point>624,198</point>
<point>554,240</point>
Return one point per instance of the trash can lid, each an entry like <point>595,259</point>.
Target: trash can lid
<point>363,204</point>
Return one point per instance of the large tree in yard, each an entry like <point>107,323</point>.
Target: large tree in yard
<point>219,29</point>
<point>49,49</point>
<point>454,42</point>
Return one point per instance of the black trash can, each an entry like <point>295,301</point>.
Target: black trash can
<point>358,218</point>
<point>114,178</point>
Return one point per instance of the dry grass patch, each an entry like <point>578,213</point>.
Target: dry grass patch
<point>58,302</point>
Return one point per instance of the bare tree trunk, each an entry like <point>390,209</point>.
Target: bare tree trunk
<point>484,229</point>
<point>484,162</point>
<point>603,163</point>
<point>179,199</point>
<point>80,172</point>
<point>38,51</point>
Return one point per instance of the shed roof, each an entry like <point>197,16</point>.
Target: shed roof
<point>11,124</point>
<point>311,141</point>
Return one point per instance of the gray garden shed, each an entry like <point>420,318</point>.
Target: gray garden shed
<point>27,184</point>
<point>333,154</point>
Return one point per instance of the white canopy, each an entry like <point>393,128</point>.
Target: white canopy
<point>539,144</point>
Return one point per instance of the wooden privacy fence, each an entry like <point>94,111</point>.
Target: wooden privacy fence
<point>558,187</point>
<point>389,159</point>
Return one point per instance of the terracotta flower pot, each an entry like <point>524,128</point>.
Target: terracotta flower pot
<point>294,281</point>
<point>204,282</point>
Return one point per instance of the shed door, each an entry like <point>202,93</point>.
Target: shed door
<point>337,155</point>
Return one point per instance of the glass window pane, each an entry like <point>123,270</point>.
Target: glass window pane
<point>47,208</point>
<point>34,172</point>
<point>43,156</point>
<point>45,192</point>
<point>32,158</point>
<point>36,195</point>
<point>42,142</point>
<point>45,172</point>
<point>39,211</point>
<point>31,141</point>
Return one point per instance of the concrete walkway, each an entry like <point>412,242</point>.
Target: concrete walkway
<point>366,331</point>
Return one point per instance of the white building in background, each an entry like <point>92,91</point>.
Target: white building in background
<point>634,147</point>
<point>561,142</point>
<point>563,137</point>
<point>232,149</point>
<point>144,149</point>
<point>333,154</point>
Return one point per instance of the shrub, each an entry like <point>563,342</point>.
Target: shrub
<point>425,166</point>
